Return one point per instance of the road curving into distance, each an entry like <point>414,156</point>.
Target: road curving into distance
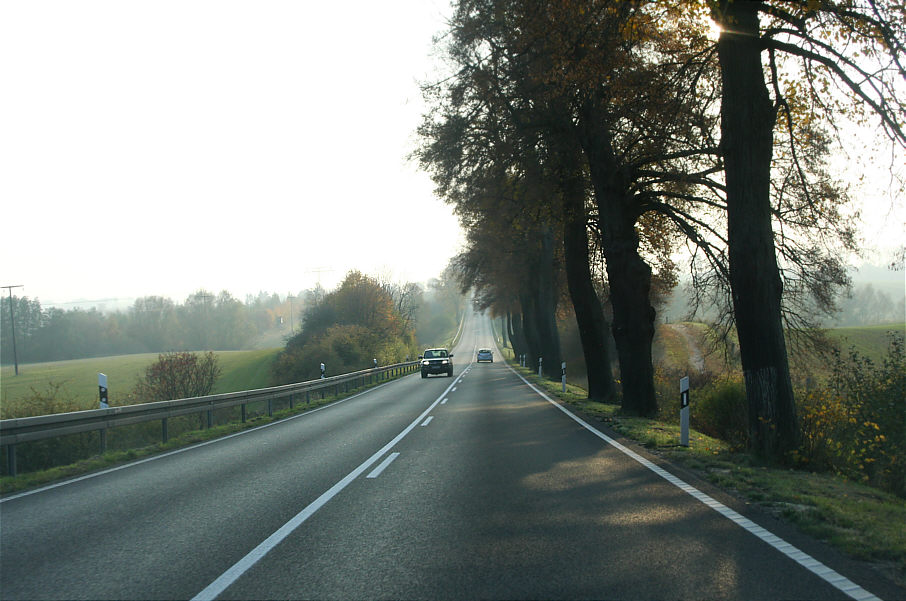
<point>475,486</point>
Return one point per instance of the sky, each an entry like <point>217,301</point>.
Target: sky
<point>160,147</point>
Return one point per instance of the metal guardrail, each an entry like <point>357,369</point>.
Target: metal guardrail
<point>26,429</point>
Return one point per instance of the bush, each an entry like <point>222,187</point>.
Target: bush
<point>54,399</point>
<point>178,376</point>
<point>720,409</point>
<point>42,454</point>
<point>718,406</point>
<point>856,425</point>
<point>346,330</point>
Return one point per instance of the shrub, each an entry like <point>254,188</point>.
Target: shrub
<point>667,389</point>
<point>856,425</point>
<point>54,399</point>
<point>719,409</point>
<point>178,376</point>
<point>42,454</point>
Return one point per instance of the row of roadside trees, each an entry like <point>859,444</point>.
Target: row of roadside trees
<point>583,142</point>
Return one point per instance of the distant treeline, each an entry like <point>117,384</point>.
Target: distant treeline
<point>152,324</point>
<point>205,321</point>
<point>868,306</point>
<point>864,305</point>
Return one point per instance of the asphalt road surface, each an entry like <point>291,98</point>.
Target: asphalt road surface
<point>469,487</point>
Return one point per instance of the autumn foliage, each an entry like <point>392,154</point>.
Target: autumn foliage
<point>348,328</point>
<point>856,424</point>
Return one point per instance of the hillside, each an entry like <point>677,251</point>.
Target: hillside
<point>684,346</point>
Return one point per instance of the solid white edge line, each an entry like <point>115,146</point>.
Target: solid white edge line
<point>226,579</point>
<point>384,464</point>
<point>827,574</point>
<point>191,447</point>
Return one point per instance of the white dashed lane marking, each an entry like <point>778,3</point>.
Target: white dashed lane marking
<point>386,462</point>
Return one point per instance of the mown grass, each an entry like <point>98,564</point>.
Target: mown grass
<point>868,341</point>
<point>78,379</point>
<point>861,521</point>
<point>245,370</point>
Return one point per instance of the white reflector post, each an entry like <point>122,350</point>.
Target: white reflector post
<point>102,390</point>
<point>684,411</point>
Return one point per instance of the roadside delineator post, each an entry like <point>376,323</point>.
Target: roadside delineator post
<point>684,411</point>
<point>102,390</point>
<point>540,360</point>
<point>102,395</point>
<point>563,375</point>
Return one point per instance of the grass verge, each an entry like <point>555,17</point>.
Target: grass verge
<point>863,522</point>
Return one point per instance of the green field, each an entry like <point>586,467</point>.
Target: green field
<point>78,380</point>
<point>672,350</point>
<point>871,341</point>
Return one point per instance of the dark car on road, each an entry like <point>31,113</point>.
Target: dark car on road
<point>485,355</point>
<point>436,361</point>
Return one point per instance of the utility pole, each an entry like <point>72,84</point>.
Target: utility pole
<point>292,328</point>
<point>12,324</point>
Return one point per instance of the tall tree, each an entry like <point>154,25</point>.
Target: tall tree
<point>834,41</point>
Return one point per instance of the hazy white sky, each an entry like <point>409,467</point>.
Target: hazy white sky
<point>157,147</point>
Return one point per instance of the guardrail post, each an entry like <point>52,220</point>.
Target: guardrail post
<point>210,418</point>
<point>11,459</point>
<point>243,413</point>
<point>307,397</point>
<point>164,433</point>
<point>292,401</point>
<point>103,440</point>
<point>270,408</point>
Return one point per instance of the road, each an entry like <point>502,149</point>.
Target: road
<point>468,487</point>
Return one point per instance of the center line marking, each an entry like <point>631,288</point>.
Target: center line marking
<point>222,582</point>
<point>428,421</point>
<point>377,471</point>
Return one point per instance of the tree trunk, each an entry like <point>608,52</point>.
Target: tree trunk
<point>589,312</point>
<point>627,273</point>
<point>747,123</point>
<point>530,329</point>
<point>633,316</point>
<point>546,305</point>
<point>517,336</point>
